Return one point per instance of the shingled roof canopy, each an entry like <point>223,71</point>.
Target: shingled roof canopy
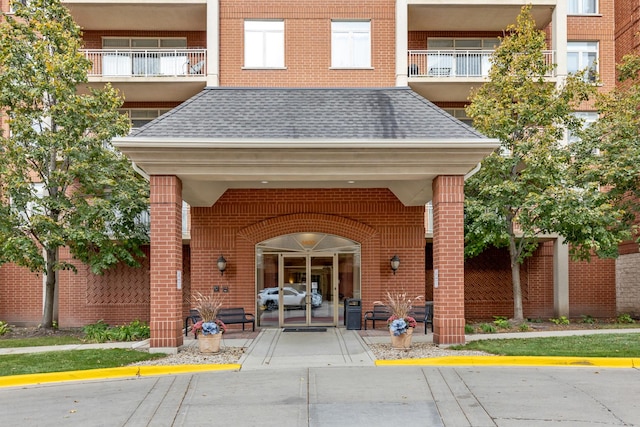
<point>306,138</point>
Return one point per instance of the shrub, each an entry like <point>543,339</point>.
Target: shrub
<point>101,332</point>
<point>562,320</point>
<point>469,329</point>
<point>588,319</point>
<point>625,318</point>
<point>524,327</point>
<point>501,322</point>
<point>488,328</point>
<point>4,328</point>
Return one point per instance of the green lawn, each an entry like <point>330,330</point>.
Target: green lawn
<point>600,345</point>
<point>71,360</point>
<point>39,341</point>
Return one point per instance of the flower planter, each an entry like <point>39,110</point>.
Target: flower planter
<point>402,341</point>
<point>209,343</point>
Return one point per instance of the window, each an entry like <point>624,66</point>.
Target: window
<point>143,56</point>
<point>460,114</point>
<point>12,9</point>
<point>471,56</point>
<point>582,7</point>
<point>588,117</point>
<point>582,56</point>
<point>350,44</point>
<point>264,44</point>
<point>140,117</point>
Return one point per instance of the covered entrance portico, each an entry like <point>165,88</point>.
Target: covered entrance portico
<point>284,171</point>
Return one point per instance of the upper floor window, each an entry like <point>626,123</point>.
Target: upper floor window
<point>582,56</point>
<point>264,44</point>
<point>350,44</point>
<point>143,43</point>
<point>141,116</point>
<point>588,117</point>
<point>12,3</point>
<point>582,7</point>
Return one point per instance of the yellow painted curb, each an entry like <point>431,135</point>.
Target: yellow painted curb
<point>605,362</point>
<point>123,372</point>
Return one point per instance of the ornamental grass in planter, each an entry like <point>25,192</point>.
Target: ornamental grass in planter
<point>400,323</point>
<point>210,327</point>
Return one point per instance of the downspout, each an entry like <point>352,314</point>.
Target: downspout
<point>473,171</point>
<point>141,172</point>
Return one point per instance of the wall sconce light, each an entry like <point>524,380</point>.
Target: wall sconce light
<point>222,265</point>
<point>395,263</point>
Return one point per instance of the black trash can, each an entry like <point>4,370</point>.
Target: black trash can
<point>353,313</point>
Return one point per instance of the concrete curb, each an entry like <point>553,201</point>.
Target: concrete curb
<point>107,373</point>
<point>529,361</point>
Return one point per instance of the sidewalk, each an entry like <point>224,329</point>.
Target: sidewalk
<point>273,349</point>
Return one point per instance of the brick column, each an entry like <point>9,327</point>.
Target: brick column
<point>448,259</point>
<point>166,264</point>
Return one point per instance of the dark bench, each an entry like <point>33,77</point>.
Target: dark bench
<point>228,316</point>
<point>422,314</point>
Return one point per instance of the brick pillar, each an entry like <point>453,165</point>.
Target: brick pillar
<point>448,259</point>
<point>166,264</point>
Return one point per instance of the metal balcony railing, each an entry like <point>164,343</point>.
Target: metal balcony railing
<point>146,62</point>
<point>456,63</point>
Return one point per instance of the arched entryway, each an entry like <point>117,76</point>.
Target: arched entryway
<point>302,279</point>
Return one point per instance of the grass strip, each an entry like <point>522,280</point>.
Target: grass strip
<point>39,341</point>
<point>600,345</point>
<point>71,360</point>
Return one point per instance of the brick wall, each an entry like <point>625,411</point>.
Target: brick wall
<point>242,218</point>
<point>308,43</point>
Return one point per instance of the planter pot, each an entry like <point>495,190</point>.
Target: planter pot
<point>209,343</point>
<point>403,341</point>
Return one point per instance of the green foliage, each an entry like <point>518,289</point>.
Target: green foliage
<point>501,322</point>
<point>469,329</point>
<point>488,328</point>
<point>608,152</point>
<point>625,318</point>
<point>59,138</point>
<point>601,345</point>
<point>524,327</point>
<point>4,328</point>
<point>102,332</point>
<point>524,189</point>
<point>562,320</point>
<point>72,360</point>
<point>588,319</point>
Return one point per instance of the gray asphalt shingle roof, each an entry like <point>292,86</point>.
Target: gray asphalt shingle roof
<point>323,113</point>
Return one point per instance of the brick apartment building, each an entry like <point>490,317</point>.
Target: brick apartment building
<point>313,136</point>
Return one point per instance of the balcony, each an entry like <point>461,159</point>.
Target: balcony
<point>147,62</point>
<point>141,15</point>
<point>449,75</point>
<point>149,75</point>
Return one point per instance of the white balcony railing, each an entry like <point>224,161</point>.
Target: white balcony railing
<point>147,62</point>
<point>456,63</point>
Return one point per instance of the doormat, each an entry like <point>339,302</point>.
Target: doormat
<point>304,330</point>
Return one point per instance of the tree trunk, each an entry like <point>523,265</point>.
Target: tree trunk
<point>515,278</point>
<point>50,288</point>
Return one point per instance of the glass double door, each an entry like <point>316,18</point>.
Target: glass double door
<point>307,288</point>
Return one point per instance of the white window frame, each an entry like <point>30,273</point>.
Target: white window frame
<point>588,117</point>
<point>24,2</point>
<point>583,49</point>
<point>142,114</point>
<point>351,44</point>
<point>264,44</point>
<point>582,7</point>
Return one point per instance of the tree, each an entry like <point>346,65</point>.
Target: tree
<point>61,182</point>
<point>608,151</point>
<point>523,190</point>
